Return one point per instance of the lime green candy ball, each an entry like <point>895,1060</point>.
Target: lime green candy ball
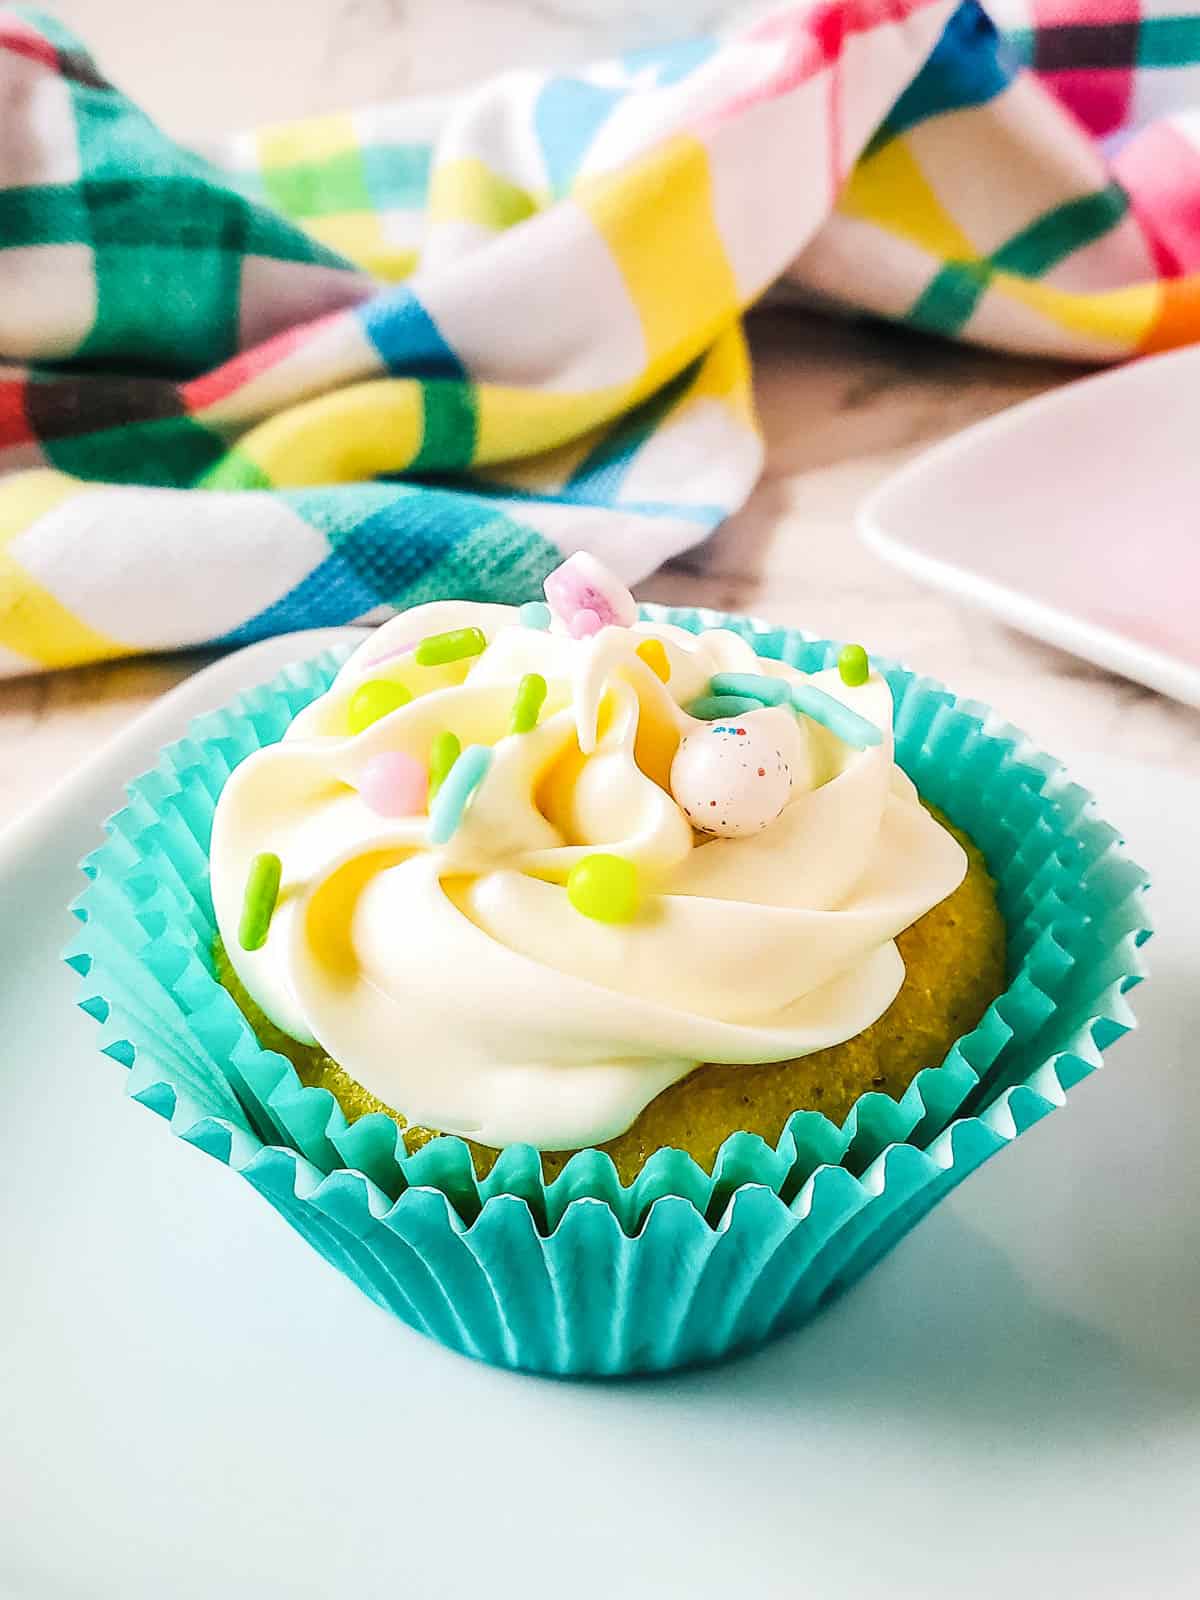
<point>604,887</point>
<point>854,666</point>
<point>374,699</point>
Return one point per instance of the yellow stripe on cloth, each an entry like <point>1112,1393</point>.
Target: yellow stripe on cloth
<point>541,438</point>
<point>513,423</point>
<point>890,190</point>
<point>289,144</point>
<point>359,235</point>
<point>725,375</point>
<point>1124,316</point>
<point>33,623</point>
<point>546,472</point>
<point>467,190</point>
<point>657,219</point>
<point>343,437</point>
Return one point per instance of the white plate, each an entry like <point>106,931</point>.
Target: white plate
<point>193,1404</point>
<point>1075,517</point>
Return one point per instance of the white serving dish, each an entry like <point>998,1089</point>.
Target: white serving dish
<point>1074,517</point>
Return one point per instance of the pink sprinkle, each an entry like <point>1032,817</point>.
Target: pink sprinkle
<point>391,655</point>
<point>394,784</point>
<point>582,587</point>
<point>584,623</point>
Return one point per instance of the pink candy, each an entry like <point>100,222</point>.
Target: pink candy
<point>584,623</point>
<point>394,785</point>
<point>585,597</point>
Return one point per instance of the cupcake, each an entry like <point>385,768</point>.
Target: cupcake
<point>564,878</point>
<point>604,992</point>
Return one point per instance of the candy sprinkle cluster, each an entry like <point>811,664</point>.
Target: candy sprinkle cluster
<point>581,598</point>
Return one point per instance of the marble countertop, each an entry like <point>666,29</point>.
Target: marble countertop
<point>843,403</point>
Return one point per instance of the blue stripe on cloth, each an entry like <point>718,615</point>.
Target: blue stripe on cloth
<point>704,513</point>
<point>397,175</point>
<point>331,594</point>
<point>408,340</point>
<point>671,62</point>
<point>566,118</point>
<point>387,544</point>
<point>1022,45</point>
<point>970,64</point>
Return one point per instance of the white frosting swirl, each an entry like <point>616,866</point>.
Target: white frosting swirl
<point>460,985</point>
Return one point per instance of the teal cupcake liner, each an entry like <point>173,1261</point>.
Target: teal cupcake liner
<point>583,1276</point>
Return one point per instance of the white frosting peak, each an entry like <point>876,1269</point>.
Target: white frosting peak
<point>461,985</point>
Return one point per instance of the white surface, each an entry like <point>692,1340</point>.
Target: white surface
<point>192,1404</point>
<point>1073,517</point>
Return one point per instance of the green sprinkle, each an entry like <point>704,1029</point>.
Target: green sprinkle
<point>258,902</point>
<point>854,666</point>
<point>531,692</point>
<point>711,706</point>
<point>750,686</point>
<point>832,714</point>
<point>443,753</point>
<point>604,888</point>
<point>535,614</point>
<point>456,792</point>
<point>456,645</point>
<point>374,699</point>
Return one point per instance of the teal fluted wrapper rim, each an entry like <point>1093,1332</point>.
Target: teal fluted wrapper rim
<point>581,1275</point>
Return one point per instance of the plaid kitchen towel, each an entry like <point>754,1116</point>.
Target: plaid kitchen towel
<point>357,362</point>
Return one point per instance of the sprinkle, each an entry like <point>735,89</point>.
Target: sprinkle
<point>535,614</point>
<point>582,589</point>
<point>750,686</point>
<point>456,792</point>
<point>394,784</point>
<point>441,648</point>
<point>584,623</point>
<point>443,753</point>
<point>711,706</point>
<point>258,902</point>
<point>854,666</point>
<point>604,888</point>
<point>530,694</point>
<point>375,698</point>
<point>653,653</point>
<point>832,714</point>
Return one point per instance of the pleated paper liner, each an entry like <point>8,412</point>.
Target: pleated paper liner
<point>582,1275</point>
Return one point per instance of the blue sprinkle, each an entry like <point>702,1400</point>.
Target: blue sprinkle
<point>457,791</point>
<point>535,614</point>
<point>711,706</point>
<point>832,714</point>
<point>750,686</point>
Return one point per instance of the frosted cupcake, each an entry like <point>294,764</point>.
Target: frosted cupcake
<point>554,876</point>
<point>558,879</point>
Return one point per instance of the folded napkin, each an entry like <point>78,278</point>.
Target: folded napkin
<point>357,362</point>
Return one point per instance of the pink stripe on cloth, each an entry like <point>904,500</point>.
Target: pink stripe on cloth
<point>1104,33</point>
<point>812,42</point>
<point>1100,97</point>
<point>1160,170</point>
<point>238,371</point>
<point>19,39</point>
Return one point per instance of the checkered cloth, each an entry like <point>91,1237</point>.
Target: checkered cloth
<point>358,362</point>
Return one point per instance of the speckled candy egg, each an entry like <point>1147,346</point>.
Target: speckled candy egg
<point>730,779</point>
